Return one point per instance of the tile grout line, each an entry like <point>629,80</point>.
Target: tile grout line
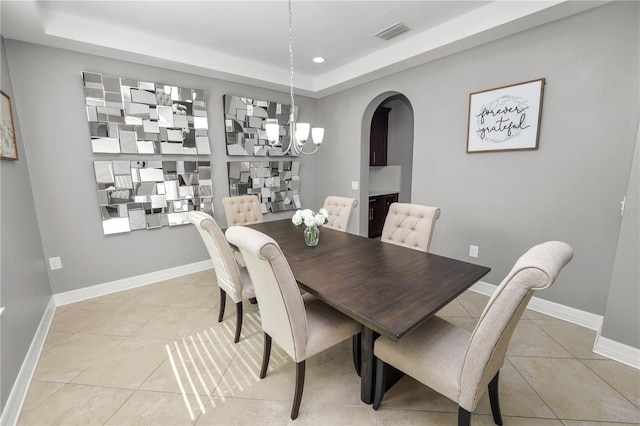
<point>532,387</point>
<point>607,382</point>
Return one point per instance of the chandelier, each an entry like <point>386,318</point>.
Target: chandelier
<point>298,132</point>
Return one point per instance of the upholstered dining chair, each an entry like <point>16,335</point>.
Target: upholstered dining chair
<point>410,225</point>
<point>242,210</point>
<point>407,225</point>
<point>301,325</point>
<point>461,365</point>
<point>340,209</point>
<point>232,280</point>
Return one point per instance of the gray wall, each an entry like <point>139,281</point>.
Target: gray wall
<point>622,319</point>
<point>24,285</point>
<point>49,93</point>
<point>505,202</point>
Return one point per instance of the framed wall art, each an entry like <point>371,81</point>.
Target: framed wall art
<point>276,183</point>
<point>141,194</point>
<point>506,118</point>
<point>128,116</point>
<point>244,120</point>
<point>8,146</point>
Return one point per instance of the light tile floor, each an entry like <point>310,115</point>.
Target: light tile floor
<point>157,355</point>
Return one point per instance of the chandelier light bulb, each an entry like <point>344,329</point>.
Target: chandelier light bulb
<point>273,130</point>
<point>317,134</point>
<point>302,132</point>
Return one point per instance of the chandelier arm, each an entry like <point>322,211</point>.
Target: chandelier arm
<point>302,151</point>
<point>281,153</point>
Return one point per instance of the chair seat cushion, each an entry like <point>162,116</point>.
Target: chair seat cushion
<point>433,354</point>
<point>326,326</point>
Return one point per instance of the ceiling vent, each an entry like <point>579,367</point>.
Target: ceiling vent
<point>392,31</point>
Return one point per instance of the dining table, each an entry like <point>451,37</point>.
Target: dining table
<point>390,289</point>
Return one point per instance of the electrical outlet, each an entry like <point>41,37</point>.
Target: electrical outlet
<point>354,185</point>
<point>55,263</point>
<point>473,251</point>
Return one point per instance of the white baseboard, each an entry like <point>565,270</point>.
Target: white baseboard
<point>20,388</point>
<point>611,349</point>
<point>128,283</point>
<point>616,351</point>
<point>556,310</point>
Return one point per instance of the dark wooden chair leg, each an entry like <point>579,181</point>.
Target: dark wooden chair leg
<point>236,339</point>
<point>464,417</point>
<point>223,301</point>
<point>381,381</point>
<point>357,352</point>
<point>297,396</point>
<point>266,354</point>
<point>494,400</point>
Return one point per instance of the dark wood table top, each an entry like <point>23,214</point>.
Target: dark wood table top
<point>388,288</point>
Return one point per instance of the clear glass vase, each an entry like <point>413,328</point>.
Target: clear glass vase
<point>312,235</point>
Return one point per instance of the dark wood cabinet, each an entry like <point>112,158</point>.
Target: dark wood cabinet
<point>378,209</point>
<point>376,216</point>
<point>378,137</point>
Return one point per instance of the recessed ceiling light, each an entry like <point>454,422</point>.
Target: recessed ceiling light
<point>318,59</point>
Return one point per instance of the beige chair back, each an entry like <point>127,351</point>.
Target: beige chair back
<point>340,209</point>
<point>242,210</point>
<point>282,309</point>
<point>535,270</point>
<point>410,225</point>
<point>224,264</point>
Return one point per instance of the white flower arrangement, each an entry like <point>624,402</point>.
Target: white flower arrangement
<point>309,218</point>
<point>179,109</point>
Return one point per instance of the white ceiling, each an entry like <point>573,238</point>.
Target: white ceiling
<point>247,41</point>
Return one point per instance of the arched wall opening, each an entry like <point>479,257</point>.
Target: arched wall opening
<point>396,175</point>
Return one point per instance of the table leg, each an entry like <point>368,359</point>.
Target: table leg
<point>357,352</point>
<point>368,368</point>
<point>367,372</point>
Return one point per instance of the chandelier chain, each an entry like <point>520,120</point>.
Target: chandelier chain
<point>293,106</point>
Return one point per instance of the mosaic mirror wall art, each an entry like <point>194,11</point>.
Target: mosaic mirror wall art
<point>276,183</point>
<point>138,117</point>
<point>135,195</point>
<point>244,120</point>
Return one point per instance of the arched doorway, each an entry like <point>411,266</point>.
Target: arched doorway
<point>394,175</point>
